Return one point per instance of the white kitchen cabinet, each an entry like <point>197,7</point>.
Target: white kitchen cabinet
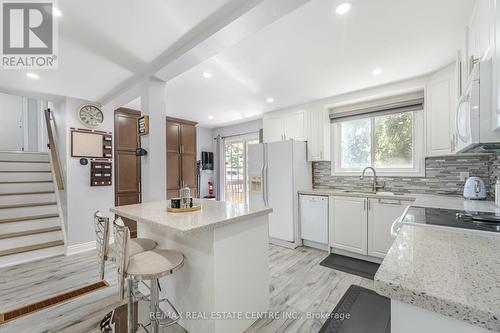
<point>273,129</point>
<point>481,30</point>
<point>295,125</point>
<point>381,215</point>
<point>285,126</point>
<point>441,100</point>
<point>349,224</point>
<point>318,135</point>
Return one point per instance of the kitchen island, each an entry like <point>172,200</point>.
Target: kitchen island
<point>224,282</point>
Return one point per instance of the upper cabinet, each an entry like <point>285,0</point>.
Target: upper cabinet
<point>285,126</point>
<point>480,33</point>
<point>441,99</point>
<point>312,126</point>
<point>318,135</point>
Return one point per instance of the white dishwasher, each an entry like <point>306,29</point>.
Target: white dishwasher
<point>314,220</point>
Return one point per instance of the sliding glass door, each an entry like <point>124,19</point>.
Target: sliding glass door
<point>235,169</point>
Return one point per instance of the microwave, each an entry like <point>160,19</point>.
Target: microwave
<point>474,120</point>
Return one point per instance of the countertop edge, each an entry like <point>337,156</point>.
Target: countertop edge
<point>459,311</point>
<point>210,227</point>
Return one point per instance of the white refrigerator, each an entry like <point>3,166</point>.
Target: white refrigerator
<point>277,171</point>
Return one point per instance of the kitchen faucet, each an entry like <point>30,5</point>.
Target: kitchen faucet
<point>375,185</point>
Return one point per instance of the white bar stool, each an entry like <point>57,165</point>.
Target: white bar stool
<point>106,251</point>
<point>148,265</point>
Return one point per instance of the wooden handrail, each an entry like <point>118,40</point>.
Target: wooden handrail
<point>53,152</point>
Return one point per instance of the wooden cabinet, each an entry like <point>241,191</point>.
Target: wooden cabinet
<point>181,156</point>
<point>441,100</point>
<point>348,228</point>
<point>127,177</point>
<point>318,135</point>
<point>285,126</point>
<point>381,214</point>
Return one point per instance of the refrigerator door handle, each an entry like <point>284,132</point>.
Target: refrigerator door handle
<point>265,182</point>
<point>263,173</point>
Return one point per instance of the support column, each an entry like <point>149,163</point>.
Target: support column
<point>154,164</point>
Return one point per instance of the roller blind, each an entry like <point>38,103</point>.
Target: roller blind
<point>379,107</point>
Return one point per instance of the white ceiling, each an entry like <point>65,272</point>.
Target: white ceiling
<point>312,53</point>
<point>103,43</point>
<point>307,54</point>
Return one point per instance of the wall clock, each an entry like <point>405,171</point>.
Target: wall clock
<point>90,115</point>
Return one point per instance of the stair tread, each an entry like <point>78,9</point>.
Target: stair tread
<point>27,193</point>
<point>27,182</point>
<point>25,171</point>
<point>21,161</point>
<point>29,218</point>
<point>33,247</point>
<point>29,232</point>
<point>31,204</point>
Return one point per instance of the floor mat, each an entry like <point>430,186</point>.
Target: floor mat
<point>360,310</point>
<point>350,265</point>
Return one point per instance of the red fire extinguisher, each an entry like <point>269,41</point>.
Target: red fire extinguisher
<point>210,189</point>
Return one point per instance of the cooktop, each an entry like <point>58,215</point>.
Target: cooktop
<point>453,218</point>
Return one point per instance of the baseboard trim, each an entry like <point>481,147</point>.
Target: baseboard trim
<point>79,248</point>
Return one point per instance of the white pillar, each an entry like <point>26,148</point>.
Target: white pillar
<point>154,165</point>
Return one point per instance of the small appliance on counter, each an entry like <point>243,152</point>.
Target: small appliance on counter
<point>474,189</point>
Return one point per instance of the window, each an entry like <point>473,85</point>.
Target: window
<point>392,143</point>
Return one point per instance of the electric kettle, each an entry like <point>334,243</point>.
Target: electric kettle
<point>474,189</point>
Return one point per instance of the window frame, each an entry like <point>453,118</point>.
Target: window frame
<point>418,138</point>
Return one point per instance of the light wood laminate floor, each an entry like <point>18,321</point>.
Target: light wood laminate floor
<point>299,285</point>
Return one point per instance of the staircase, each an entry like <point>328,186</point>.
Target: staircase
<point>30,225</point>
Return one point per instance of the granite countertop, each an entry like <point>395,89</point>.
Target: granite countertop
<point>454,273</point>
<point>421,200</point>
<point>213,214</point>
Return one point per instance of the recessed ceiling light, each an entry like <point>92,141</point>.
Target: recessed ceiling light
<point>207,75</point>
<point>33,76</point>
<point>343,8</point>
<point>270,100</point>
<point>56,12</point>
<point>210,117</point>
<point>377,71</point>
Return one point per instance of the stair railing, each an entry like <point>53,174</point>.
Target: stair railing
<point>53,152</point>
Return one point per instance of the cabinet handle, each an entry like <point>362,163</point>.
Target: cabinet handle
<point>368,204</point>
<point>390,202</point>
<point>364,204</point>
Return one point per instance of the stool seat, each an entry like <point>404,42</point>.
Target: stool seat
<point>136,246</point>
<point>154,264</point>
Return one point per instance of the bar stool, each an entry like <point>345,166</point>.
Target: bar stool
<point>145,266</point>
<point>105,251</point>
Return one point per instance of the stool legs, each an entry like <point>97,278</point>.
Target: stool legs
<point>131,321</point>
<point>154,306</point>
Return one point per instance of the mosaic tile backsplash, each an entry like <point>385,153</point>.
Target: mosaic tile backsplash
<point>442,176</point>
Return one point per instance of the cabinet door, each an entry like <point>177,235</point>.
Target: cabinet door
<point>273,129</point>
<point>440,111</point>
<point>314,136</point>
<point>188,139</point>
<point>318,135</point>
<point>348,224</point>
<point>295,126</point>
<point>381,215</point>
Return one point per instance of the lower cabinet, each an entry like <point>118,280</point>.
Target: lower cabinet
<point>381,215</point>
<point>363,226</point>
<point>349,229</point>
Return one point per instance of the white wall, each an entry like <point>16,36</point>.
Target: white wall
<point>79,200</point>
<point>250,126</point>
<point>386,90</point>
<point>204,142</point>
